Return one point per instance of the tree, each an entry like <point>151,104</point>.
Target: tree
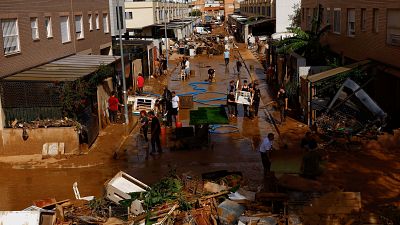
<point>195,12</point>
<point>307,43</point>
<point>296,17</point>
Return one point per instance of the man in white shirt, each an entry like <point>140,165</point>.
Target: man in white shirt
<point>265,151</point>
<point>175,106</point>
<point>187,67</point>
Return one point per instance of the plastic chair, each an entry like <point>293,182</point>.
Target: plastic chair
<point>78,195</point>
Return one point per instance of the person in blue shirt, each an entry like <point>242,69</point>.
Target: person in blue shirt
<point>226,57</point>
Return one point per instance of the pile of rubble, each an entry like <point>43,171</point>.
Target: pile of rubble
<point>219,197</point>
<point>45,123</point>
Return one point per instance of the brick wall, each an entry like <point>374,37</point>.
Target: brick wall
<point>365,44</point>
<point>36,52</point>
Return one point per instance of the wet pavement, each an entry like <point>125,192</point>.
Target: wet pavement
<point>33,179</point>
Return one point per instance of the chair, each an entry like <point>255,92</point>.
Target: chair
<point>182,75</point>
<point>78,196</point>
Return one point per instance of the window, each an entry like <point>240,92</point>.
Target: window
<point>128,15</point>
<point>363,19</point>
<point>328,16</point>
<point>35,28</point>
<point>268,11</point>
<point>393,27</point>
<point>263,10</point>
<point>65,32</point>
<point>336,20</point>
<point>375,20</point>
<point>105,23</point>
<point>90,17</point>
<point>97,22</point>
<point>351,22</point>
<point>10,36</point>
<point>48,26</point>
<point>79,27</point>
<point>302,14</point>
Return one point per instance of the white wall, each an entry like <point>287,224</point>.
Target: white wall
<point>284,8</point>
<point>142,14</point>
<point>113,17</point>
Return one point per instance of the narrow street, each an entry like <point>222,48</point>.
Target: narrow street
<point>33,178</point>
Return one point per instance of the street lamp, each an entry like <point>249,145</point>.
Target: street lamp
<point>120,22</point>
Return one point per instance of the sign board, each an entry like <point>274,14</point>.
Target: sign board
<point>244,97</point>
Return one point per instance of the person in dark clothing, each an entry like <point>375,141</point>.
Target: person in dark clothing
<point>211,75</point>
<point>155,133</point>
<point>232,88</point>
<point>282,103</point>
<point>164,65</point>
<point>231,104</point>
<point>144,124</point>
<point>311,164</point>
<point>308,142</point>
<point>256,99</point>
<point>167,106</point>
<point>245,87</point>
<point>238,65</point>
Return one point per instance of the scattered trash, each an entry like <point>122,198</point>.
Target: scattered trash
<point>119,187</point>
<point>78,195</point>
<point>229,211</point>
<point>214,188</point>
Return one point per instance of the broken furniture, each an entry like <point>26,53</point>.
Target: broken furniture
<point>140,103</point>
<point>78,195</point>
<point>119,187</point>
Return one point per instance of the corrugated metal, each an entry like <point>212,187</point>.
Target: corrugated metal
<point>67,69</point>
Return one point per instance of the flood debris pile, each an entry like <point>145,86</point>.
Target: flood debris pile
<point>45,123</point>
<point>219,197</point>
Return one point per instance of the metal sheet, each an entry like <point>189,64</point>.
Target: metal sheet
<point>19,217</point>
<point>67,69</point>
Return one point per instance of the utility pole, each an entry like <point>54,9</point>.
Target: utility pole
<point>120,22</point>
<point>166,36</point>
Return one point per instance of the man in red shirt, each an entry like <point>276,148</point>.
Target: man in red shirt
<point>140,83</point>
<point>113,104</point>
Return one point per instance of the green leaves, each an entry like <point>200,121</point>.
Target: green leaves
<point>167,189</point>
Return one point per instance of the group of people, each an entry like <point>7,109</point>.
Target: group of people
<point>251,110</point>
<point>161,66</point>
<point>184,64</point>
<point>168,106</point>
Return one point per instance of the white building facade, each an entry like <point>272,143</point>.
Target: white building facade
<point>284,10</point>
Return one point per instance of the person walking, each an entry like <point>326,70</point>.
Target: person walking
<point>226,57</point>
<point>256,99</point>
<point>167,105</point>
<point>187,67</point>
<point>175,107</point>
<point>238,65</point>
<point>113,104</point>
<point>245,87</point>
<point>144,124</point>
<point>140,83</point>
<point>231,104</point>
<point>155,133</point>
<point>265,151</point>
<point>282,100</point>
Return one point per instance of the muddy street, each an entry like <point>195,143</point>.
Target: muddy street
<point>32,180</point>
